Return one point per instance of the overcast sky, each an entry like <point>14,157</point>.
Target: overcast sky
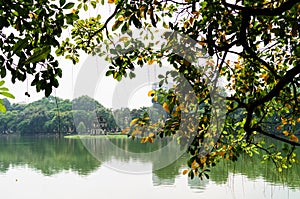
<point>88,78</point>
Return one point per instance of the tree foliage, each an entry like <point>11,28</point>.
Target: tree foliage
<point>254,45</point>
<point>30,30</point>
<point>4,92</point>
<point>81,128</point>
<point>52,116</point>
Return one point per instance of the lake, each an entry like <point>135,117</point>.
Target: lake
<point>52,167</point>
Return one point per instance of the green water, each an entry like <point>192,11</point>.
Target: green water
<point>52,167</point>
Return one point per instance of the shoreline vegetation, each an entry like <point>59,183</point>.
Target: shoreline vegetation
<point>56,116</point>
<point>87,136</point>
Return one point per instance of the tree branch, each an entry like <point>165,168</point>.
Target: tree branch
<point>259,130</point>
<point>263,11</point>
<point>286,79</point>
<point>243,39</point>
<point>118,6</point>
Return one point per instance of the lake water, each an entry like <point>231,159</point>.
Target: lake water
<point>49,167</point>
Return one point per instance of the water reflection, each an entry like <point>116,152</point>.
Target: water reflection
<point>50,155</point>
<point>143,158</point>
<point>54,155</point>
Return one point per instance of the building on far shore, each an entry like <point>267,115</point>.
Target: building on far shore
<point>99,126</point>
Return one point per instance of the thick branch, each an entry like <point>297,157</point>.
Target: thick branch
<point>286,79</point>
<point>254,56</point>
<point>243,39</point>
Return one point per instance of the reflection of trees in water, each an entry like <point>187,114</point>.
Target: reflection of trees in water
<point>51,155</point>
<point>160,154</point>
<point>196,183</point>
<point>252,168</point>
<point>167,175</point>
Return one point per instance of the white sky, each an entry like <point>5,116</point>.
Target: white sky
<point>104,90</point>
<point>65,89</point>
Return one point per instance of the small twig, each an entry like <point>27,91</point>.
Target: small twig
<point>259,130</point>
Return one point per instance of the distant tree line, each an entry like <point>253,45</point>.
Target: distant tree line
<point>54,115</point>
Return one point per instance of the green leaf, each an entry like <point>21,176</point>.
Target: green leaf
<point>71,17</point>
<point>85,7</point>
<point>136,22</point>
<point>3,72</point>
<point>20,45</point>
<point>108,73</point>
<point>38,87</point>
<point>206,175</point>
<point>161,83</point>
<point>6,94</point>
<point>160,76</point>
<point>62,2</point>
<point>39,55</point>
<point>132,75</point>
<point>79,6</point>
<point>59,72</point>
<point>2,108</point>
<point>55,83</point>
<point>94,4</point>
<point>4,89</point>
<point>124,28</point>
<point>2,82</point>
<point>69,6</point>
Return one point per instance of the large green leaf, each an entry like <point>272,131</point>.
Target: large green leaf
<point>69,5</point>
<point>3,89</point>
<point>19,45</point>
<point>6,94</point>
<point>2,108</point>
<point>39,55</point>
<point>62,2</point>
